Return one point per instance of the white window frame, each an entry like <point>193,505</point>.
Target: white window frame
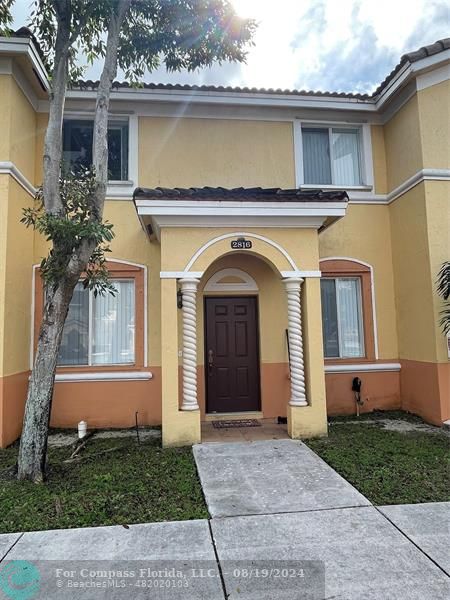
<point>360,320</point>
<point>90,364</point>
<point>119,189</point>
<point>365,154</point>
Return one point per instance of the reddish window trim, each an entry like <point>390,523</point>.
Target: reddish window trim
<point>118,271</point>
<point>351,268</point>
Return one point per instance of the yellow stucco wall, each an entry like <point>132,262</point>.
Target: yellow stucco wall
<point>364,234</point>
<point>379,159</point>
<point>437,197</point>
<point>4,190</point>
<point>413,278</point>
<point>17,127</point>
<point>23,132</point>
<point>402,138</point>
<point>229,153</point>
<point>15,275</point>
<point>434,114</point>
<point>5,115</point>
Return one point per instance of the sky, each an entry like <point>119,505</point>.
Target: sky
<point>327,45</point>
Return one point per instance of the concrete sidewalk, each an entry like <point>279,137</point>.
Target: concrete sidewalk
<point>285,526</point>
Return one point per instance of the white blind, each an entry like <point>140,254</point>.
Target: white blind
<point>101,330</point>
<point>346,167</point>
<point>113,326</point>
<point>316,156</point>
<point>348,292</point>
<point>74,348</point>
<point>342,317</point>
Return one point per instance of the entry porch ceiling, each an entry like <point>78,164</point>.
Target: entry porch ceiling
<point>238,207</point>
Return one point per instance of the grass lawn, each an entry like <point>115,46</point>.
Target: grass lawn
<point>130,484</point>
<point>388,467</point>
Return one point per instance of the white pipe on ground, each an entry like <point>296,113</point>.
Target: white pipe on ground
<point>82,429</point>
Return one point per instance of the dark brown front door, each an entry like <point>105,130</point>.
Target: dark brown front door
<point>231,348</point>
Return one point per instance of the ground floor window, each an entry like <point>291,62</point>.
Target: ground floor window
<point>100,330</point>
<point>342,317</point>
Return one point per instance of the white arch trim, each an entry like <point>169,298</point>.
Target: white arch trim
<point>256,236</point>
<point>372,291</point>
<point>110,259</point>
<point>247,284</point>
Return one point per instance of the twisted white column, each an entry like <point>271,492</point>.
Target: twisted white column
<point>189,292</point>
<point>298,393</point>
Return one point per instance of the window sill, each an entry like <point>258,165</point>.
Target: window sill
<point>362,367</point>
<point>104,376</point>
<point>119,182</point>
<point>356,188</point>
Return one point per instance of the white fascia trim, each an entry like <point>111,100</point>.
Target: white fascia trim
<point>302,274</point>
<point>422,175</point>
<point>408,71</point>
<point>216,208</point>
<point>104,376</point>
<point>181,274</point>
<point>269,221</point>
<point>434,77</point>
<point>25,46</point>
<point>363,368</point>
<point>9,168</point>
<point>232,98</point>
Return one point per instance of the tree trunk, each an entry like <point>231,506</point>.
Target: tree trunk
<point>33,443</point>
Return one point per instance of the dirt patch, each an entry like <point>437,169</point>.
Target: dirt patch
<point>397,425</point>
<point>61,440</point>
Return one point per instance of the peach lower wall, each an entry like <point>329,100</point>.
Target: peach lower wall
<point>100,403</point>
<point>108,403</point>
<point>421,388</point>
<point>379,391</point>
<point>425,388</point>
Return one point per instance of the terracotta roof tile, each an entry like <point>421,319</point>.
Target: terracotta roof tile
<point>256,194</point>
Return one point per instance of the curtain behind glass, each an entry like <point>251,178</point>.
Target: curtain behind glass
<point>113,326</point>
<point>346,167</point>
<point>316,156</point>
<point>75,337</point>
<point>329,318</point>
<point>349,314</point>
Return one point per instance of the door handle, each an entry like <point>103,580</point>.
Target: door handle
<point>210,360</point>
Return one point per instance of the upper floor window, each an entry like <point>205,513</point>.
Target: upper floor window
<point>100,330</point>
<point>77,147</point>
<point>342,317</point>
<point>332,156</point>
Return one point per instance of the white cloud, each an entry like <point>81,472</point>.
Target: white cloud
<point>342,45</point>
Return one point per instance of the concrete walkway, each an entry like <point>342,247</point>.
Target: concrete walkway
<point>284,526</point>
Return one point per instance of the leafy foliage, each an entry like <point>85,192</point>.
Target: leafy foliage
<point>67,231</point>
<point>179,34</point>
<point>5,16</point>
<point>443,289</point>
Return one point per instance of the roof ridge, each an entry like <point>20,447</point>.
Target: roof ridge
<point>411,57</point>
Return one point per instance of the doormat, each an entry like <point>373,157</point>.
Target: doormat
<point>236,423</point>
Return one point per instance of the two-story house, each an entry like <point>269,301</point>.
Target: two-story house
<point>271,246</point>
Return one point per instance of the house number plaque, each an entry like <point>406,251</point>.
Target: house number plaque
<point>241,244</point>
